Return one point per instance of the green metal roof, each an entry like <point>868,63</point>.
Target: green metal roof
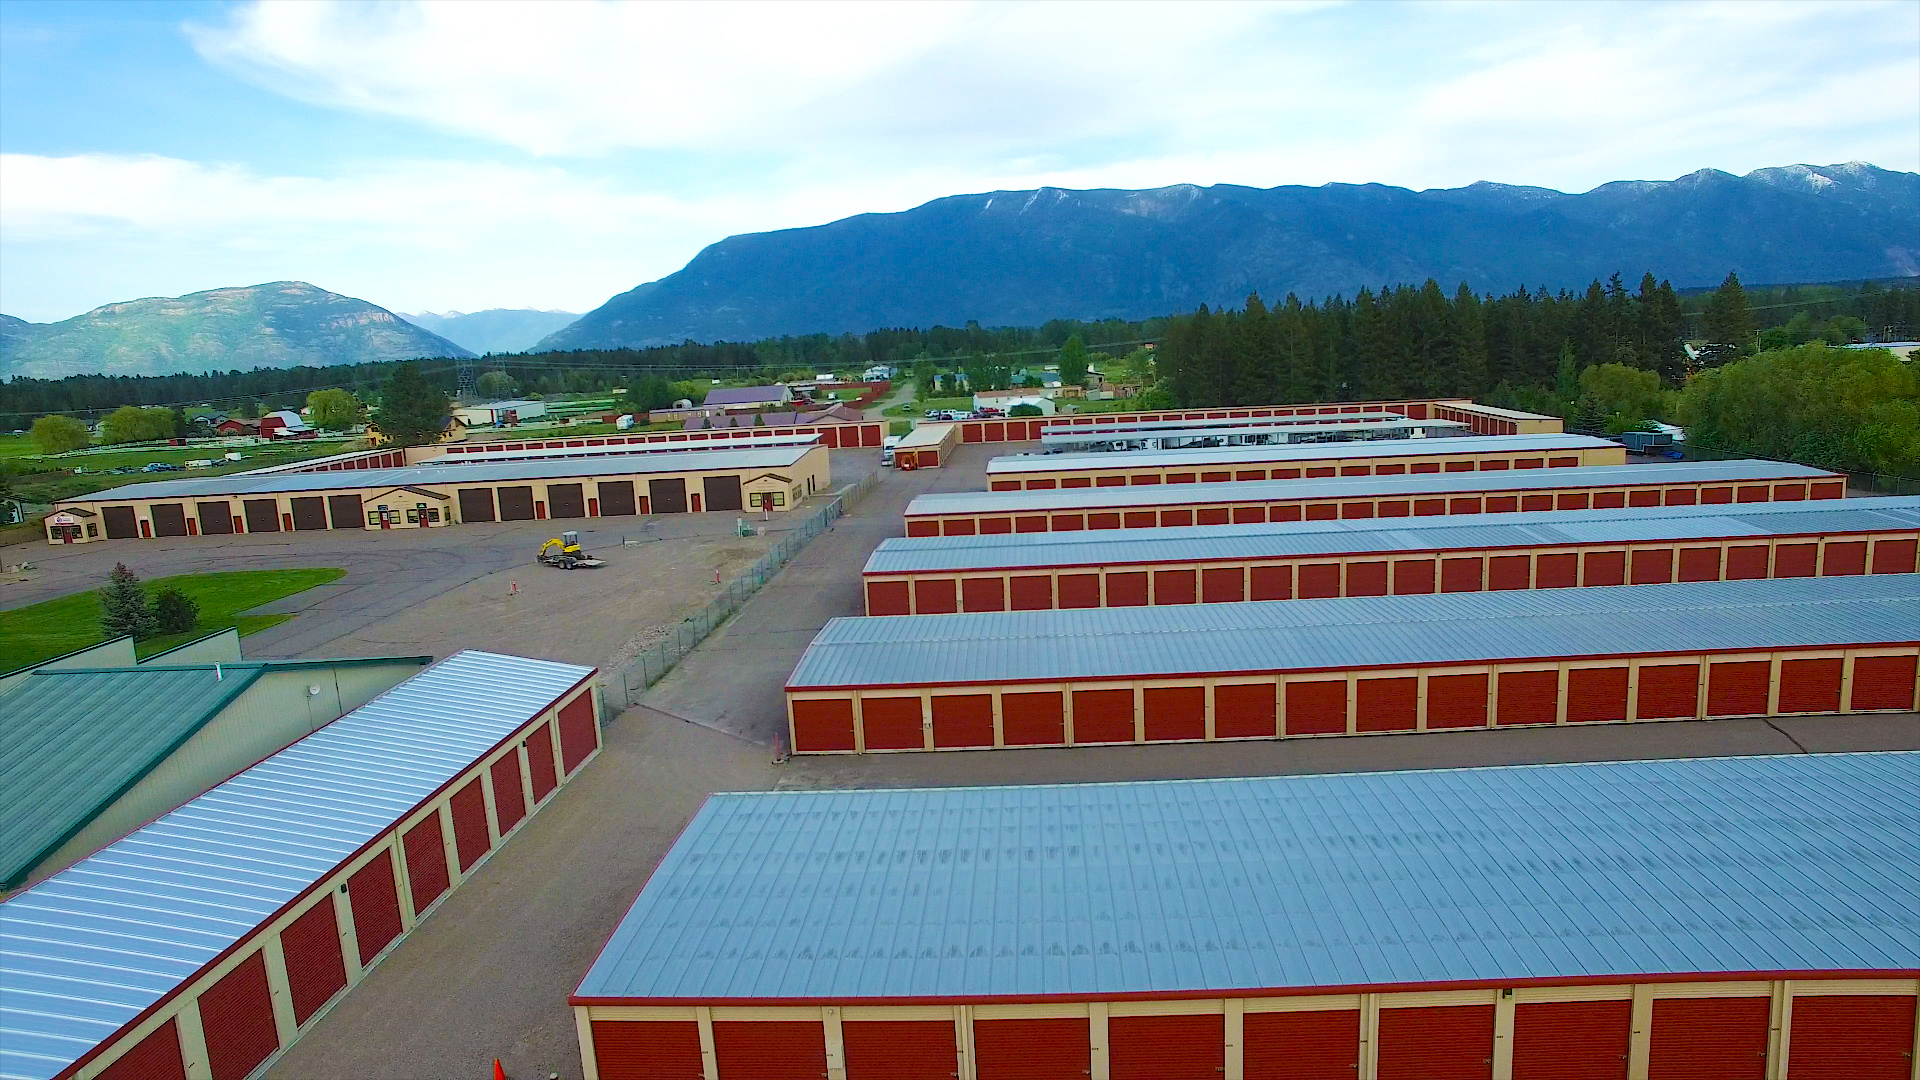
<point>73,741</point>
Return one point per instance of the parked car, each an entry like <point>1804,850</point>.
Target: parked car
<point>160,466</point>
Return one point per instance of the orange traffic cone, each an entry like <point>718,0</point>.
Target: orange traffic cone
<point>498,1072</point>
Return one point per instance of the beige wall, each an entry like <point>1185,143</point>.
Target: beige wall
<point>115,653</point>
<point>276,711</point>
<point>222,647</point>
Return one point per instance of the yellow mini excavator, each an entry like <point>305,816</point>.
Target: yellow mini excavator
<point>564,552</point>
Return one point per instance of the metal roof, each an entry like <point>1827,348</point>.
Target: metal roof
<point>1440,532</point>
<point>1373,631</point>
<point>498,472</point>
<point>924,435</point>
<point>750,442</point>
<point>1301,432</point>
<point>1162,459</point>
<point>1803,863</point>
<point>1359,487</point>
<point>91,947</point>
<point>72,741</point>
<point>1063,425</point>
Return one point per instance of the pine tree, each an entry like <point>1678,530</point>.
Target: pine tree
<point>174,612</point>
<point>123,606</point>
<point>1728,321</point>
<point>411,410</point>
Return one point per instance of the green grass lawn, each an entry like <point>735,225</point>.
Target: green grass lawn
<point>45,630</point>
<point>49,479</point>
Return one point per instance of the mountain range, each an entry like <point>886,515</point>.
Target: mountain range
<point>276,325</point>
<point>495,330</point>
<point>1007,258</point>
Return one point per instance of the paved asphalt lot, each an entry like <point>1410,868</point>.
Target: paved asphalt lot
<point>488,975</point>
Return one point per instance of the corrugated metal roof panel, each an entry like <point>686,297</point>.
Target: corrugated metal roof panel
<point>1621,526</point>
<point>72,740</point>
<point>1375,631</point>
<point>749,442</point>
<point>1062,425</point>
<point>88,949</point>
<point>1495,875</point>
<point>1076,436</point>
<point>1161,459</point>
<point>1357,487</point>
<point>498,472</point>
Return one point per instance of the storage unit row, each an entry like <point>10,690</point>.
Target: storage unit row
<point>1177,437</point>
<point>834,436</point>
<point>1678,920</point>
<point>927,446</point>
<point>1098,424</point>
<point>1472,453</point>
<point>1358,666</point>
<point>434,494</point>
<point>1214,502</point>
<point>1315,560</point>
<point>205,943</point>
<point>1481,419</point>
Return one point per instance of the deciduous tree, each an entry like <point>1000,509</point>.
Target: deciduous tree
<point>59,434</point>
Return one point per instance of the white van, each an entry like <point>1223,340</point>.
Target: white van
<point>886,449</point>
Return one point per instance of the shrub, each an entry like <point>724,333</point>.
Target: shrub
<point>174,612</point>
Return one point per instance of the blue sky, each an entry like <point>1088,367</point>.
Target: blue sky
<point>444,155</point>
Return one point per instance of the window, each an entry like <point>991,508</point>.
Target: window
<point>93,531</point>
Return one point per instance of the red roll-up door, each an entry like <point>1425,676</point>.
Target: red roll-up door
<point>577,735</point>
<point>1413,577</point>
<point>237,1015</point>
<point>822,724</point>
<point>1166,1047</point>
<point>1366,579</point>
<point>1894,556</point>
<point>892,723</point>
<point>1795,560</point>
<point>900,1049</point>
<point>315,968</point>
<point>1596,694</point>
<point>375,899</point>
<point>935,596</point>
<point>1103,716</point>
<point>1386,704</point>
<point>888,598</point>
<point>540,763</point>
<point>509,802</point>
<point>1721,1038</point>
<point>1127,590</point>
<point>1851,1038</point>
<point>1270,583</point>
<point>470,839</point>
<point>983,594</point>
<point>1810,685</point>
<point>1301,1045</point>
<point>1844,560</point>
<point>1036,719</point>
<point>1079,590</point>
<point>1747,562</point>
<point>1652,567</point>
<point>1560,571</point>
<point>1738,688</point>
<point>1700,564</point>
<point>1456,701</point>
<point>1319,581</point>
<point>1244,710</point>
<point>1316,708</point>
<point>1528,697</point>
<point>963,720</point>
<point>1031,592</point>
<point>426,862</point>
<point>1222,585</point>
<point>770,1049</point>
<point>156,1057</point>
<point>1509,572</point>
<point>1605,568</point>
<point>648,1049</point>
<point>1883,682</point>
<point>1173,713</point>
<point>1049,1049</point>
<point>1442,1042</point>
<point>1460,575</point>
<point>1572,1040</point>
<point>1668,691</point>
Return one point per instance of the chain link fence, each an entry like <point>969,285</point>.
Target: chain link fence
<point>623,686</point>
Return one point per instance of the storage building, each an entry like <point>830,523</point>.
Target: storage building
<point>1658,920</point>
<point>1182,437</point>
<point>1358,665</point>
<point>1481,419</point>
<point>927,446</point>
<point>88,755</point>
<point>1221,503</point>
<point>1101,425</point>
<point>206,942</point>
<point>500,413</point>
<point>1469,454</point>
<point>834,432</point>
<point>445,493</point>
<point>1413,556</point>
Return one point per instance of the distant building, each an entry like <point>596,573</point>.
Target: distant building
<point>452,429</point>
<point>1005,400</point>
<point>500,413</point>
<point>234,425</point>
<point>832,414</point>
<point>285,424</point>
<point>877,373</point>
<point>749,397</point>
